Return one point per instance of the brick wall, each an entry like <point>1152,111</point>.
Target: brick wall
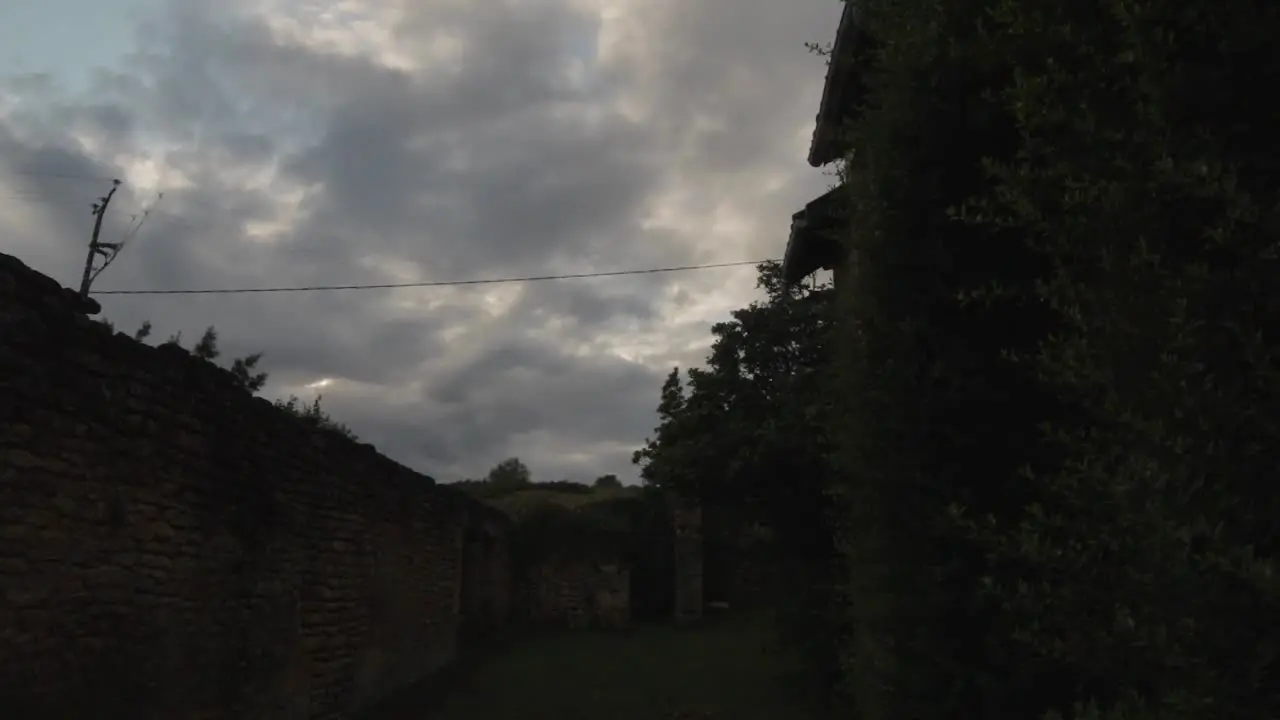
<point>579,593</point>
<point>171,547</point>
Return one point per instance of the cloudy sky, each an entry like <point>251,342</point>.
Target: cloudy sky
<point>306,142</point>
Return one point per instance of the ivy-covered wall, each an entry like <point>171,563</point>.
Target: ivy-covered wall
<point>1058,375</point>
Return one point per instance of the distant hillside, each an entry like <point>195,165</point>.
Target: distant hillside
<point>520,502</point>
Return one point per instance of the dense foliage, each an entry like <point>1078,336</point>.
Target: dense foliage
<point>609,481</point>
<point>745,435</point>
<point>1057,362</point>
<point>510,474</point>
<point>755,408</point>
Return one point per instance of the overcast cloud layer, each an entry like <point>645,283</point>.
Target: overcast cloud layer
<point>375,141</point>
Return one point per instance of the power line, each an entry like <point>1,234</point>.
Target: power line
<point>436,283</point>
<point>46,198</point>
<point>141,220</point>
<point>64,176</point>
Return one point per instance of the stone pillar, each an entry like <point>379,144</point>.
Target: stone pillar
<point>687,519</point>
<point>500,577</point>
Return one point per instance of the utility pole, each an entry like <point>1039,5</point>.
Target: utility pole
<point>95,248</point>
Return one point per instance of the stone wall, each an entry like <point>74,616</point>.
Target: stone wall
<point>579,594</point>
<point>687,518</point>
<point>740,564</point>
<point>753,578</point>
<point>486,587</point>
<point>171,547</point>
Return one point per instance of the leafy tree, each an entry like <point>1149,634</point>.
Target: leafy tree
<point>746,436</point>
<point>659,459</point>
<point>608,482</point>
<point>244,371</point>
<point>242,368</point>
<point>757,406</point>
<point>207,347</point>
<point>508,475</point>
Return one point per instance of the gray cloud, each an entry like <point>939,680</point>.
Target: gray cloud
<point>461,140</point>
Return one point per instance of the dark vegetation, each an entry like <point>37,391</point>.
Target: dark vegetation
<point>512,476</point>
<point>605,522</point>
<point>1020,463</point>
<point>245,370</point>
<point>634,530</point>
<point>746,436</point>
<point>1020,459</point>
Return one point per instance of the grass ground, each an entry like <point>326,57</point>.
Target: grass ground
<point>723,668</point>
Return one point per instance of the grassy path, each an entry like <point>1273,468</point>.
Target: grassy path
<point>724,668</point>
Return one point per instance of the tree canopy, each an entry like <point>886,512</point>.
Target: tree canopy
<point>748,426</point>
<point>746,435</point>
<point>607,482</point>
<point>509,474</point>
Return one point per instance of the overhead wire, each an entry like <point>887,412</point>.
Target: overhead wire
<point>140,219</point>
<point>63,176</point>
<point>42,195</point>
<point>436,283</point>
<point>37,197</point>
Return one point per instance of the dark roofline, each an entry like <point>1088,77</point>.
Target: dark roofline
<point>811,244</point>
<point>825,146</point>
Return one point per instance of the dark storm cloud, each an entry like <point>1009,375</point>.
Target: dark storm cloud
<point>494,164</point>
<point>41,163</point>
<point>383,351</point>
<point>589,304</point>
<point>110,122</point>
<point>462,191</point>
<point>473,415</point>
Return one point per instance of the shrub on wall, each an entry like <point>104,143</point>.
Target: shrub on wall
<point>1058,363</point>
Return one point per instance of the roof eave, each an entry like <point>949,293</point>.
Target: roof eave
<point>809,246</point>
<point>824,147</point>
